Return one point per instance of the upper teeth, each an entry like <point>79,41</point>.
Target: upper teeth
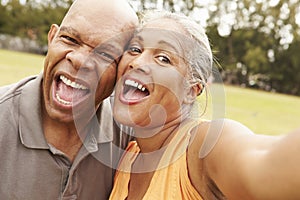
<point>137,85</point>
<point>71,83</point>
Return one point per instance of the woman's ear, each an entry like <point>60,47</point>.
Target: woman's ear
<point>192,92</point>
<point>52,32</point>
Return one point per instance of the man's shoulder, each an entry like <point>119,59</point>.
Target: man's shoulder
<point>10,91</point>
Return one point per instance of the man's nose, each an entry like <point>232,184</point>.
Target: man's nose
<point>81,59</point>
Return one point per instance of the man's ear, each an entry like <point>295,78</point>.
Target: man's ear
<point>52,32</point>
<point>192,92</point>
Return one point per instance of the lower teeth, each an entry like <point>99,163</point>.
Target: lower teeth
<point>63,101</point>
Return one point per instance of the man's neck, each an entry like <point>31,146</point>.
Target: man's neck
<point>63,136</point>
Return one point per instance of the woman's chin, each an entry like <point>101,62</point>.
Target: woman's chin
<point>120,116</point>
<point>123,117</point>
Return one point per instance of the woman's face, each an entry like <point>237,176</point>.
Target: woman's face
<point>151,77</point>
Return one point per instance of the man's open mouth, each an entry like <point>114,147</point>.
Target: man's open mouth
<point>69,92</point>
<point>134,90</point>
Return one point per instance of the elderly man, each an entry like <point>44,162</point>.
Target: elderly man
<point>58,139</point>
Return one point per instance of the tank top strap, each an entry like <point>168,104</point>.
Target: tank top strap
<point>179,144</point>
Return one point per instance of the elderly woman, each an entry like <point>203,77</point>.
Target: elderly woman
<point>164,69</point>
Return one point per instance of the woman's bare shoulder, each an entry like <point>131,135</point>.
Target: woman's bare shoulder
<point>208,133</point>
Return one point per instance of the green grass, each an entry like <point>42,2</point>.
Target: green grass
<point>262,112</point>
<point>16,65</point>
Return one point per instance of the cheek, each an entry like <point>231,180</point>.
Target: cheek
<point>105,84</point>
<point>170,101</point>
<point>55,54</point>
<point>48,60</point>
<point>48,69</point>
<point>123,66</point>
<point>171,83</point>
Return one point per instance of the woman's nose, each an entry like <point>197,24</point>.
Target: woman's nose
<point>141,63</point>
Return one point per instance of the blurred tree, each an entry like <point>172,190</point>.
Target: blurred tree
<point>255,42</point>
<point>33,19</point>
<point>257,35</point>
<point>13,17</point>
<point>3,17</point>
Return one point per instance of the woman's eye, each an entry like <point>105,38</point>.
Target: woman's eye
<point>164,59</point>
<point>69,39</point>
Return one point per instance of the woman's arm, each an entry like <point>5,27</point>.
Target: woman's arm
<point>248,166</point>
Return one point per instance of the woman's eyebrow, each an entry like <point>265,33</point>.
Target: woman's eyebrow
<point>168,44</point>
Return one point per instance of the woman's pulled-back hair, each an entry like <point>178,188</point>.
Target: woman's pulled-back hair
<point>198,55</point>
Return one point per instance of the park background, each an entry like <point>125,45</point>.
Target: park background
<point>255,43</point>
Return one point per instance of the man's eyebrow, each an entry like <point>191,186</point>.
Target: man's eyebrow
<point>111,48</point>
<point>71,31</point>
<point>138,38</point>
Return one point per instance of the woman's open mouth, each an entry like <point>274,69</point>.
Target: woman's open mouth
<point>133,91</point>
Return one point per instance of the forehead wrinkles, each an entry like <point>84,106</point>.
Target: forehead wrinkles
<point>100,19</point>
<point>152,37</point>
<point>177,43</point>
<point>172,27</point>
<point>93,33</point>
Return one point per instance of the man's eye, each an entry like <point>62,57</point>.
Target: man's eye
<point>164,59</point>
<point>107,57</point>
<point>134,50</point>
<point>69,39</point>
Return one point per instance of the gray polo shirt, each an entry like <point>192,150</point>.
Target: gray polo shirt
<point>31,169</point>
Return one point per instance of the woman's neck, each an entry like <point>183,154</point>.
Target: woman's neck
<point>152,139</point>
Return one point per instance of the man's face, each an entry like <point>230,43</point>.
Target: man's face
<point>81,64</point>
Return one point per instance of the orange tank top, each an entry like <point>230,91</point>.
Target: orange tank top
<point>170,180</point>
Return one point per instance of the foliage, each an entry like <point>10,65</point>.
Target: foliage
<point>31,20</point>
<point>260,45</point>
<point>255,42</point>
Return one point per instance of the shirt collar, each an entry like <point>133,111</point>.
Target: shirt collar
<point>106,122</point>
